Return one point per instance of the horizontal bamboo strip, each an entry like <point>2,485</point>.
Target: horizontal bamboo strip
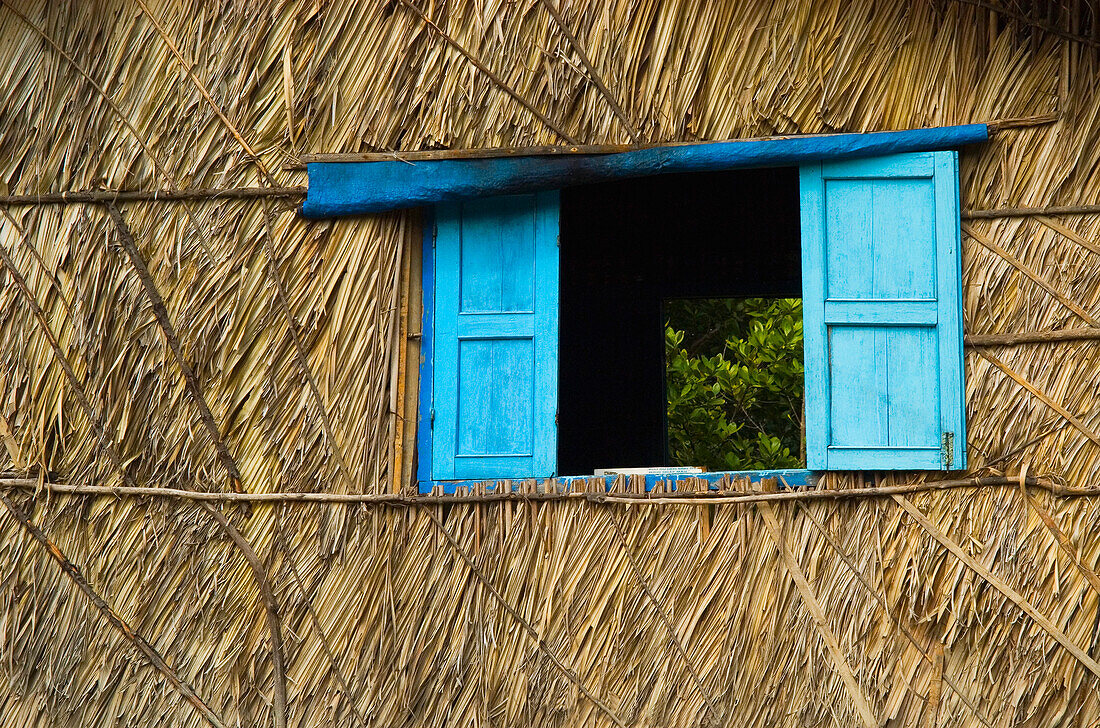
<point>681,498</point>
<point>1078,333</point>
<point>213,193</point>
<point>1000,212</point>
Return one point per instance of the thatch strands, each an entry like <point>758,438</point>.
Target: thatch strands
<point>970,606</point>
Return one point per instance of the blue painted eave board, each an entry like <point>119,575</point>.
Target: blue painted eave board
<point>356,188</point>
<point>793,478</point>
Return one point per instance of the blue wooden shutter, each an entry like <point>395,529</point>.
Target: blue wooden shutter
<point>496,338</point>
<point>882,314</point>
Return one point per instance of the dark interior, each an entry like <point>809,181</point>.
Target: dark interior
<point>626,247</point>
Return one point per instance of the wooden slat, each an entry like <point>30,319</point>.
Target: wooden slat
<point>401,350</point>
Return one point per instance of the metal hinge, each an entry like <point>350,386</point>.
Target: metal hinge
<point>431,418</point>
<point>555,418</point>
<point>435,233</point>
<point>947,449</point>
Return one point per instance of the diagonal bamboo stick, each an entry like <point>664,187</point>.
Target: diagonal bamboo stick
<point>271,611</point>
<point>214,194</point>
<point>1041,396</point>
<point>905,630</point>
<point>1068,233</point>
<point>326,644</point>
<point>663,613</point>
<point>1035,277</point>
<point>504,86</point>
<point>94,419</point>
<point>1063,540</point>
<point>531,631</point>
<point>160,312</point>
<point>234,534</point>
<point>37,255</point>
<point>186,68</point>
<point>67,566</point>
<point>593,74</point>
<point>267,595</point>
<point>1014,596</point>
<point>269,251</point>
<point>156,161</point>
<point>299,348</point>
<point>77,576</point>
<point>840,662</point>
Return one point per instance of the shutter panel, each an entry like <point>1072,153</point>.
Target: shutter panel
<point>496,338</point>
<point>882,313</point>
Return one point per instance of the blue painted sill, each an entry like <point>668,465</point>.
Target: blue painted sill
<point>792,478</point>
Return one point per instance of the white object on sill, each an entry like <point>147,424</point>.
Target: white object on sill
<point>671,470</point>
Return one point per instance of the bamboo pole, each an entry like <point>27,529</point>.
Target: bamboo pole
<point>935,660</point>
<point>593,74</point>
<point>211,194</point>
<point>1078,333</point>
<point>639,499</point>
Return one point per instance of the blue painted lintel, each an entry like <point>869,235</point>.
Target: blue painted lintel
<point>793,478</point>
<point>357,188</point>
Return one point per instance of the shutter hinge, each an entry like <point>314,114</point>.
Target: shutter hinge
<point>555,418</point>
<point>431,418</point>
<point>947,449</point>
<point>435,233</point>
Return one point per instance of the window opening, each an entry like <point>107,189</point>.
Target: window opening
<point>734,383</point>
<point>634,252</point>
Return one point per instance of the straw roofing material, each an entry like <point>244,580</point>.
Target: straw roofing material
<point>416,635</point>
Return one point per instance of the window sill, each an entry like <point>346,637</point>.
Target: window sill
<point>792,478</point>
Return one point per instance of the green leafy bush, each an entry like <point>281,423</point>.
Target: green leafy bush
<point>735,382</point>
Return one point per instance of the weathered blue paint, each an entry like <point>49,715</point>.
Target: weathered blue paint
<point>881,311</point>
<point>794,478</point>
<point>495,348</point>
<point>355,188</point>
<point>427,338</point>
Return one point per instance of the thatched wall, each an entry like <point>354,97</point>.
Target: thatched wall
<point>383,621</point>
